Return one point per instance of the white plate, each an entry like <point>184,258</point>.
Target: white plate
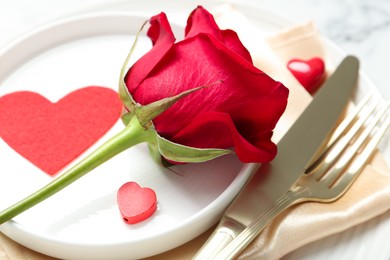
<point>370,238</point>
<point>83,221</point>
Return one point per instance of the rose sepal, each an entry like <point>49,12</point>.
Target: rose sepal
<point>123,92</point>
<point>150,111</point>
<point>185,154</point>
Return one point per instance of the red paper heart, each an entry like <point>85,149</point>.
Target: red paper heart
<point>310,73</point>
<point>50,135</point>
<point>135,203</point>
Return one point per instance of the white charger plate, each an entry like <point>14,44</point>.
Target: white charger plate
<point>370,238</point>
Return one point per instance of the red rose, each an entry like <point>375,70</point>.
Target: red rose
<point>240,111</point>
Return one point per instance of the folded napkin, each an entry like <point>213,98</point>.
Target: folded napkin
<point>304,223</point>
<point>307,222</point>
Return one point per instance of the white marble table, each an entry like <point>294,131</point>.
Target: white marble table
<point>359,27</point>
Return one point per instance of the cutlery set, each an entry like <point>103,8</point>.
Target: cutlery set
<point>338,169</point>
<point>318,160</point>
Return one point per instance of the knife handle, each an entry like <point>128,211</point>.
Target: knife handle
<point>241,241</point>
<point>225,233</point>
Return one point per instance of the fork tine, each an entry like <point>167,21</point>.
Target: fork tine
<point>357,165</point>
<point>331,156</point>
<point>347,122</point>
<point>370,147</point>
<point>339,132</point>
<point>333,175</point>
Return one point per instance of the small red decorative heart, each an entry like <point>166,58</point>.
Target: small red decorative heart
<point>135,203</point>
<point>51,135</point>
<point>310,73</point>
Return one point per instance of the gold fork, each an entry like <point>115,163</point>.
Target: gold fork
<point>331,174</point>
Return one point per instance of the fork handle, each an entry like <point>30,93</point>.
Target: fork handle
<point>236,246</point>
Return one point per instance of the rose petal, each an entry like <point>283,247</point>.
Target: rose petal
<point>260,114</point>
<point>215,129</point>
<point>201,21</point>
<point>161,34</point>
<point>232,42</point>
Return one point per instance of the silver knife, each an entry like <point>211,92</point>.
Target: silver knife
<point>295,151</point>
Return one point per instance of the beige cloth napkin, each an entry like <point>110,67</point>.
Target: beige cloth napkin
<point>305,223</point>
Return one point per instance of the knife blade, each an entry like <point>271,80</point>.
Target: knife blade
<point>295,150</point>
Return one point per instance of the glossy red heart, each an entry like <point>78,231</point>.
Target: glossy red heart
<point>135,203</point>
<point>310,73</point>
<point>51,135</point>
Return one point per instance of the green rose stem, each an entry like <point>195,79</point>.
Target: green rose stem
<point>131,135</point>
